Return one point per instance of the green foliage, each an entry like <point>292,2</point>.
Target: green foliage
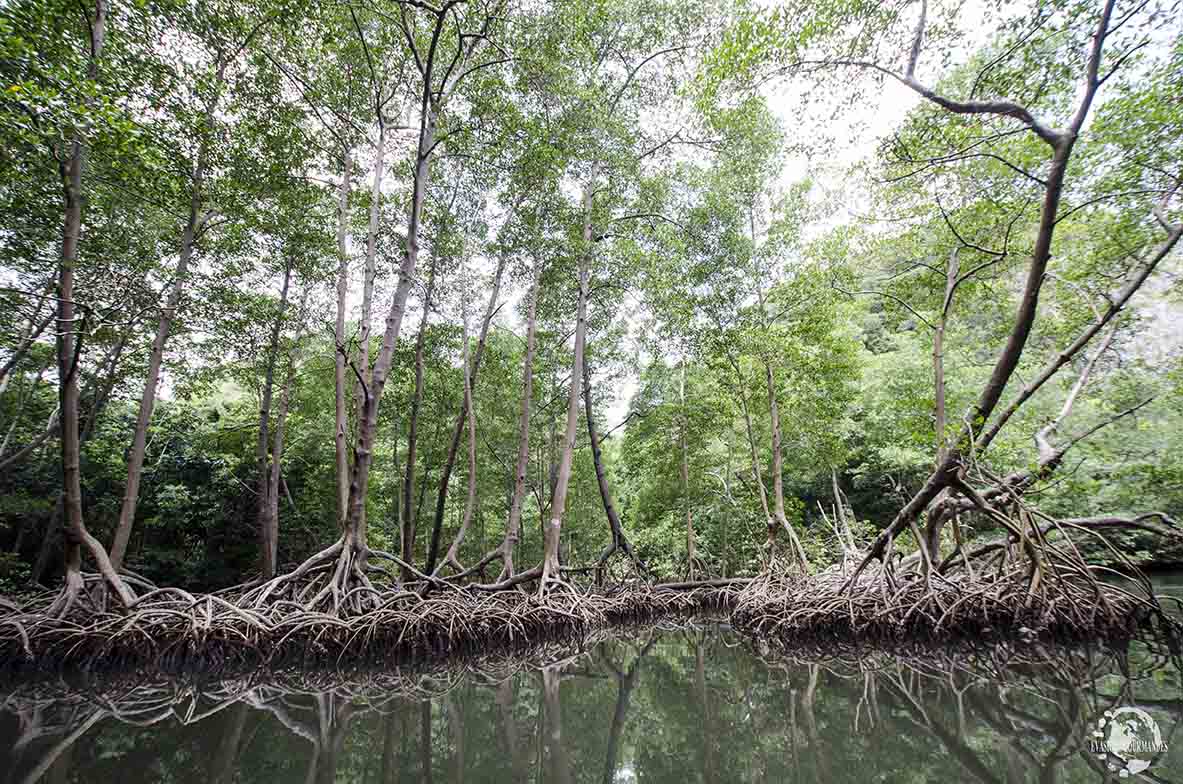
<point>639,141</point>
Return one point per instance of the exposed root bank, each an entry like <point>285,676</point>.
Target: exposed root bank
<point>876,608</point>
<point>174,630</point>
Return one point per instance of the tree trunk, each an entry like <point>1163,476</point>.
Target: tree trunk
<point>363,373</point>
<point>221,770</point>
<point>68,351</point>
<point>770,523</point>
<point>363,454</point>
<point>616,530</point>
<point>408,509</point>
<point>32,332</point>
<point>342,416</point>
<point>135,460</point>
<point>393,727</point>
<point>263,482</point>
<point>514,523</point>
<point>691,555</point>
<point>509,730</point>
<point>46,551</point>
<point>822,771</point>
<point>102,394</point>
<point>1008,360</point>
<point>707,707</point>
<point>367,300</point>
<point>451,557</point>
<point>941,423</point>
<point>551,534</point>
<point>19,455</point>
<point>1117,301</point>
<point>932,529</point>
<point>270,525</point>
<point>778,491</point>
<point>456,730</point>
<point>626,682</point>
<point>441,499</point>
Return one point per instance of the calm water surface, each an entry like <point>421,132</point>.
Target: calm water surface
<point>678,705</point>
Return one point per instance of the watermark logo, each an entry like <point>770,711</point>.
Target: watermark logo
<point>1127,740</point>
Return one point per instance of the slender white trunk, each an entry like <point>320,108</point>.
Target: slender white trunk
<point>342,415</point>
<point>362,373</point>
<point>139,444</point>
<point>470,500</point>
<point>263,483</point>
<point>68,351</point>
<point>514,524</point>
<point>363,451</point>
<point>551,535</point>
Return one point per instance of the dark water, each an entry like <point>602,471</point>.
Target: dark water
<point>677,705</point>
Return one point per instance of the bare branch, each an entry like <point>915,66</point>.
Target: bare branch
<point>1116,304</point>
<point>886,295</point>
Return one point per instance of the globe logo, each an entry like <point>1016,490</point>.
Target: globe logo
<point>1131,736</point>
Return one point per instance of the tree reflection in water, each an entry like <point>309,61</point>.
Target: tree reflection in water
<point>675,705</point>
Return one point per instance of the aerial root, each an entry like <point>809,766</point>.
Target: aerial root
<point>335,580</point>
<point>621,545</point>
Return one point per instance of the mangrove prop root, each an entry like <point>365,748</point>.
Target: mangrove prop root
<point>272,624</point>
<point>347,603</point>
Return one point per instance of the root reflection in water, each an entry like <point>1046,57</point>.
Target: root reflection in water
<point>668,703</point>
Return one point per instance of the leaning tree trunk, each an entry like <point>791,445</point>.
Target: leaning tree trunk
<point>139,443</point>
<point>263,482</point>
<point>1061,143</point>
<point>441,499</point>
<point>616,530</point>
<point>68,351</point>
